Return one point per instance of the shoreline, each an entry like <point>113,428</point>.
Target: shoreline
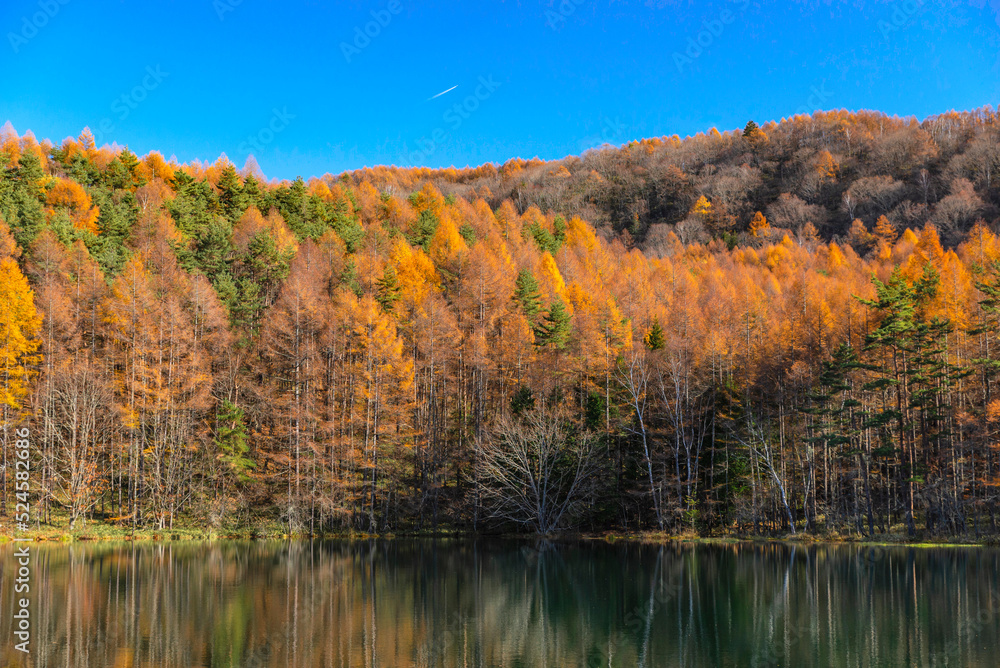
<point>99,532</point>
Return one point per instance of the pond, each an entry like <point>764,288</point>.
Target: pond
<point>506,604</point>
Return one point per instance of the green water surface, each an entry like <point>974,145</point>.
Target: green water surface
<point>509,604</point>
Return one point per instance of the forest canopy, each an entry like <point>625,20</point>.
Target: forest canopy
<point>783,328</point>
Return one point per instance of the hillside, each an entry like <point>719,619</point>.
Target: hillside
<point>393,350</point>
<point>828,169</point>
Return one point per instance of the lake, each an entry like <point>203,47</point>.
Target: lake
<point>509,604</point>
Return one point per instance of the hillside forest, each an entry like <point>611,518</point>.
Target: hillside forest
<point>787,328</point>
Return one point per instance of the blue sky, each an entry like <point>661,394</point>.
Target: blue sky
<point>301,86</point>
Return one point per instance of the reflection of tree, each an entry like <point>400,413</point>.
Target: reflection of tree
<point>422,603</point>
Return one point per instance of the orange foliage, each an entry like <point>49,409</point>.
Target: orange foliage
<point>72,196</point>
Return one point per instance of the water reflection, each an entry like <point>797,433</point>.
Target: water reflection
<point>426,603</point>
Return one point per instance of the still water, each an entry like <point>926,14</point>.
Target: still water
<point>444,603</point>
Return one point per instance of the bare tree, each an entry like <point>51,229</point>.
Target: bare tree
<point>759,444</point>
<point>850,204</point>
<point>633,375</point>
<point>790,211</point>
<point>535,470</point>
<point>955,213</point>
<point>876,195</point>
<point>81,415</point>
<point>924,181</point>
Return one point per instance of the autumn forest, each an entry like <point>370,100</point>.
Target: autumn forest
<point>786,328</point>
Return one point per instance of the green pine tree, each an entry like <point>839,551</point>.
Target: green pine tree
<point>989,325</point>
<point>231,439</point>
<point>554,329</point>
<point>252,194</point>
<point>349,277</point>
<point>424,230</point>
<point>131,163</point>
<point>232,201</point>
<point>527,295</point>
<point>523,400</point>
<point>387,292</point>
<point>468,233</point>
<point>655,338</point>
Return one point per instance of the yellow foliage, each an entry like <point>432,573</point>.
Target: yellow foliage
<point>578,298</point>
<point>508,220</point>
<point>415,272</point>
<point>619,327</point>
<point>370,203</point>
<point>8,246</point>
<point>283,237</point>
<point>579,234</point>
<point>376,337</point>
<point>826,166</point>
<point>72,196</point>
<point>19,328</point>
<point>320,189</point>
<point>552,280</point>
<point>430,199</point>
<point>156,167</point>
<point>702,208</point>
<point>252,223</point>
<point>447,243</point>
<point>777,255</point>
<point>885,230</point>
<point>759,225</point>
<point>400,214</point>
<point>835,258</point>
<point>981,246</point>
<point>993,411</point>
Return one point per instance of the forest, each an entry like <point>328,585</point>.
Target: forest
<point>788,328</point>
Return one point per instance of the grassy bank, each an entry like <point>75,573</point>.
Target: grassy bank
<point>263,529</point>
<point>883,540</point>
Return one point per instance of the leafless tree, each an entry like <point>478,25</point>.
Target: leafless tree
<point>757,442</point>
<point>924,181</point>
<point>81,414</point>
<point>634,375</point>
<point>792,212</point>
<point>876,195</point>
<point>955,213</point>
<point>535,469</point>
<point>850,204</point>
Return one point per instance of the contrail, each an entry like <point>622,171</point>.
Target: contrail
<point>442,93</point>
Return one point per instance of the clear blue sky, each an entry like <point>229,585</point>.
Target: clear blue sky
<point>563,75</point>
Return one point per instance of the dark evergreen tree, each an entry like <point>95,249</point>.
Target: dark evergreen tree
<point>232,202</point>
<point>526,294</point>
<point>554,329</point>
<point>655,339</point>
<point>424,230</point>
<point>388,290</point>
